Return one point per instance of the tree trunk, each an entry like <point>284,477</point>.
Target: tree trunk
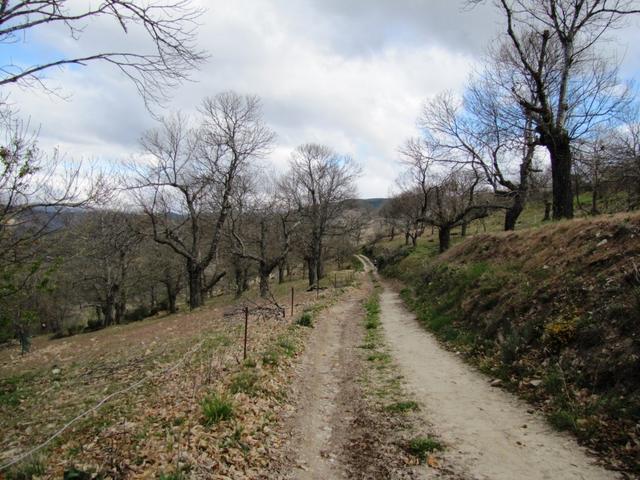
<point>194,272</point>
<point>444,237</point>
<point>547,211</point>
<point>312,270</point>
<point>264,282</point>
<point>172,296</point>
<point>153,297</point>
<point>559,147</point>
<point>513,212</point>
<point>281,272</point>
<point>393,233</point>
<point>107,310</point>
<point>319,262</point>
<point>406,238</point>
<point>463,229</point>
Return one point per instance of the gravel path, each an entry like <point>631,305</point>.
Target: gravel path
<point>488,432</point>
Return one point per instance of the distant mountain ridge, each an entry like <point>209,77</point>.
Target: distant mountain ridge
<point>368,203</point>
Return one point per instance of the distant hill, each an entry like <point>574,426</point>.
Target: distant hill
<point>373,204</point>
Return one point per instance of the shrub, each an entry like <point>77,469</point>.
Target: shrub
<point>559,333</point>
<point>74,329</point>
<point>139,313</point>
<point>216,408</point>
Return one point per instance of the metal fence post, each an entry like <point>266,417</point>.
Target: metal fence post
<point>246,328</point>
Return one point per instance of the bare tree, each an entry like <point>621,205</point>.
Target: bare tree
<point>265,237</point>
<point>407,210</point>
<point>36,192</point>
<point>187,190</point>
<point>551,51</point>
<point>457,200</point>
<point>168,25</point>
<point>319,182</point>
<point>625,147</point>
<point>451,196</point>
<point>493,134</point>
<point>108,240</point>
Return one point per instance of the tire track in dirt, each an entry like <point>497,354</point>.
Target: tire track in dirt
<point>326,375</point>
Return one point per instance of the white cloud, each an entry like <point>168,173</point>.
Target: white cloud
<point>350,74</point>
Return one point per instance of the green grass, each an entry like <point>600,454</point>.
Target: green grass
<point>356,264</point>
<point>422,446</point>
<point>379,357</point>
<point>372,307</point>
<point>402,407</point>
<point>563,420</point>
<point>175,475</point>
<point>13,389</point>
<point>287,346</point>
<point>216,408</point>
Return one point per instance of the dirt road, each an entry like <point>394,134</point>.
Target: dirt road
<point>339,428</point>
<point>488,432</point>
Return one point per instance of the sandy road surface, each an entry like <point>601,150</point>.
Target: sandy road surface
<point>488,432</point>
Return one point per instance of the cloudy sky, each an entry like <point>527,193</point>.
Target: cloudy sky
<point>351,74</point>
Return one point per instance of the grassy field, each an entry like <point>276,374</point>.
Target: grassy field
<point>159,429</point>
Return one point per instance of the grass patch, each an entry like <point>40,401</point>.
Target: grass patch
<point>563,420</point>
<point>422,446</point>
<point>175,475</point>
<point>216,408</point>
<point>13,389</point>
<point>402,407</point>
<point>26,470</point>
<point>379,357</point>
<point>287,346</point>
<point>356,264</point>
<point>305,320</point>
<point>244,382</point>
<point>271,357</point>
<point>372,307</point>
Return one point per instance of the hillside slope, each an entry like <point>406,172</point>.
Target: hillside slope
<point>553,312</point>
